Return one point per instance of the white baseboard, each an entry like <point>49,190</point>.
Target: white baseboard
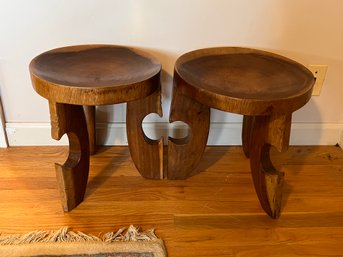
<point>25,134</point>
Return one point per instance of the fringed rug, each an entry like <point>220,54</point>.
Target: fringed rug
<point>67,243</point>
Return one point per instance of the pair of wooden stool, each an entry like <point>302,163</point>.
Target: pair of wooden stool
<point>264,87</point>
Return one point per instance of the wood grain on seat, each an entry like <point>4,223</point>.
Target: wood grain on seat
<point>242,80</point>
<point>114,73</point>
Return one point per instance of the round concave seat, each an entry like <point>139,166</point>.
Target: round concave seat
<point>225,78</point>
<point>113,73</point>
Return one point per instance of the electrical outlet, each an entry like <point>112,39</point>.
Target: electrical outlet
<point>319,72</point>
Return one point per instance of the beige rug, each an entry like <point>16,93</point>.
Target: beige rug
<point>66,243</point>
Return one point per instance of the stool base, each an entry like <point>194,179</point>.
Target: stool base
<point>72,176</point>
<point>184,154</point>
<point>258,135</point>
<point>147,154</point>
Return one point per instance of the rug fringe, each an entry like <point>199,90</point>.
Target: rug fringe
<point>65,235</point>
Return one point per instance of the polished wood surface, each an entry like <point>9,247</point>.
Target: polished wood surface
<point>146,153</point>
<point>72,176</point>
<point>243,80</point>
<point>91,127</point>
<point>94,74</point>
<point>264,87</point>
<point>184,154</point>
<point>247,130</point>
<point>74,80</point>
<point>215,213</point>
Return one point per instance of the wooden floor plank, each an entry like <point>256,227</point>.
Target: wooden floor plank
<point>215,213</point>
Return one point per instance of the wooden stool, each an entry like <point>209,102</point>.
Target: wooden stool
<point>77,78</point>
<point>264,87</point>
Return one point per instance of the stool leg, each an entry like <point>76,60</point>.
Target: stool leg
<point>248,122</point>
<point>268,131</point>
<point>90,120</point>
<point>72,176</point>
<point>147,154</point>
<point>184,154</point>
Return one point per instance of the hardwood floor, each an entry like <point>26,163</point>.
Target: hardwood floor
<point>215,213</point>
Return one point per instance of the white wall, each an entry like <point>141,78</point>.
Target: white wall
<point>309,31</point>
<point>3,139</point>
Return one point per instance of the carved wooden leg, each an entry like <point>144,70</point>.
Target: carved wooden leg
<point>147,154</point>
<point>246,133</point>
<point>268,131</point>
<point>90,120</point>
<point>72,176</point>
<point>184,154</point>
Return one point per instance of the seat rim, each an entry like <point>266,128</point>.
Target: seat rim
<point>230,103</point>
<point>119,92</point>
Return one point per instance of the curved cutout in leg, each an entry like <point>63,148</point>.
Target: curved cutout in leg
<point>248,122</point>
<point>268,130</point>
<point>72,176</point>
<point>184,154</point>
<point>147,154</point>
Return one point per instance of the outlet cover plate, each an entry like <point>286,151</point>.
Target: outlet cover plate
<point>319,72</point>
